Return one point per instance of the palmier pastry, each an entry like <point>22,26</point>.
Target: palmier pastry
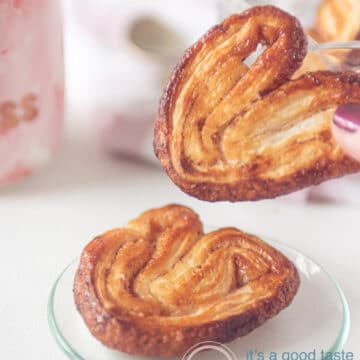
<point>229,131</point>
<point>160,285</point>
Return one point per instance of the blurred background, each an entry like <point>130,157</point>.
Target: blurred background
<point>129,51</point>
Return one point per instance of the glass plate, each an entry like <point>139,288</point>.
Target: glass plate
<point>317,320</point>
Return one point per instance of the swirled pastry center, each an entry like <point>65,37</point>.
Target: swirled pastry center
<point>162,266</point>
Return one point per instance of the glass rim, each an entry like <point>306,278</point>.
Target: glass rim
<point>333,45</point>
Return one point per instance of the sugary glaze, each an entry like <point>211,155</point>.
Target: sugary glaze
<point>228,131</point>
<point>159,285</point>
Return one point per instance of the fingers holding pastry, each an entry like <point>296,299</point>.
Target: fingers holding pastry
<point>346,129</point>
<point>251,132</point>
<point>141,294</point>
<point>333,23</point>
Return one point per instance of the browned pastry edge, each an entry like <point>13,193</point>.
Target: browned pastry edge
<point>253,188</point>
<point>168,342</point>
<point>135,335</point>
<point>256,188</point>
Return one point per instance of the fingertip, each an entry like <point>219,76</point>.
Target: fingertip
<point>347,134</point>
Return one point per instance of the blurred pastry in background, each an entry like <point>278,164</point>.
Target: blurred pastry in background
<point>333,24</point>
<point>337,20</point>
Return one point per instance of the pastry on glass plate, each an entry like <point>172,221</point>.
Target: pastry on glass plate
<point>232,130</point>
<point>159,285</point>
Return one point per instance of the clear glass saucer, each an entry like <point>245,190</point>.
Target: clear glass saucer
<point>318,319</point>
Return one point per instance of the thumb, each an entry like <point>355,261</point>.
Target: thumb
<point>346,129</point>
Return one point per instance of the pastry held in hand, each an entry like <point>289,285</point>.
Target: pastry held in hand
<point>160,285</point>
<point>226,131</point>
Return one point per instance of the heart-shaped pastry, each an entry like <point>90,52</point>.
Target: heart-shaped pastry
<point>228,130</point>
<point>160,285</point>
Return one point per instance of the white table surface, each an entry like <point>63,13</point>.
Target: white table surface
<point>47,219</point>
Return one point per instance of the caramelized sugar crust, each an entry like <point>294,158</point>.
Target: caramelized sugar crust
<point>229,131</point>
<point>160,285</point>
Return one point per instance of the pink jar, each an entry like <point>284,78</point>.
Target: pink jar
<point>31,85</point>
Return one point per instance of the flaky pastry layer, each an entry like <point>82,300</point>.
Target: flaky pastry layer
<point>160,285</point>
<point>230,130</point>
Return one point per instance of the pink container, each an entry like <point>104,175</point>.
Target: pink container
<point>31,85</point>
